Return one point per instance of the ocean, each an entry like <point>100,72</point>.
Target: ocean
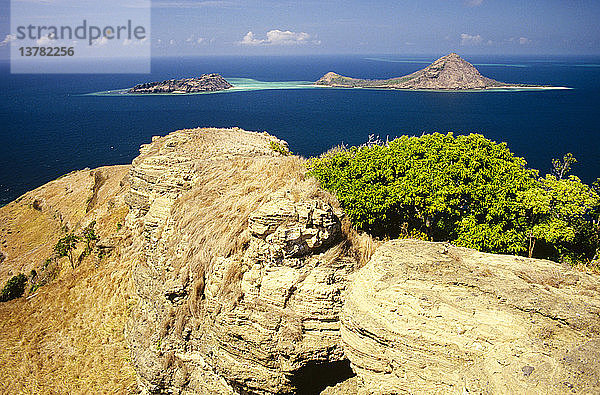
<point>51,125</point>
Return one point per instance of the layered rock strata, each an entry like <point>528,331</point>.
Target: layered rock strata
<point>432,318</point>
<point>242,266</point>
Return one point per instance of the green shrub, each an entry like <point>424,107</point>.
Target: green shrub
<point>66,246</point>
<point>562,216</point>
<point>89,236</point>
<point>280,148</point>
<point>466,189</point>
<point>14,288</point>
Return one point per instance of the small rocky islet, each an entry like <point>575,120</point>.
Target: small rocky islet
<point>450,72</point>
<point>205,83</point>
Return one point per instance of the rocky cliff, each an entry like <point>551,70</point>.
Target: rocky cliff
<point>450,72</point>
<point>237,274</point>
<point>242,268</point>
<point>204,83</point>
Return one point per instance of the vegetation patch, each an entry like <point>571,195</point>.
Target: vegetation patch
<point>279,148</point>
<point>14,288</point>
<point>466,189</point>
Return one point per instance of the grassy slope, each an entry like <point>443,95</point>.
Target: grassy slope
<point>68,336</point>
<point>362,83</point>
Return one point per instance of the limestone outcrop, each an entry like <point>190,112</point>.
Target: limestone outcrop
<point>241,270</point>
<point>426,317</point>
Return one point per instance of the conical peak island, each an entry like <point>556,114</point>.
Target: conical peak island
<point>450,72</point>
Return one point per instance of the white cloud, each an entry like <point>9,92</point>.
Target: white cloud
<point>250,40</point>
<point>44,40</point>
<point>524,41</point>
<point>279,37</point>
<point>193,40</point>
<point>519,40</point>
<point>127,41</point>
<point>8,39</point>
<point>100,41</point>
<point>474,3</point>
<point>467,39</point>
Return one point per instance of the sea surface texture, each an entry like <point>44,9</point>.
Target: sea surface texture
<point>53,124</point>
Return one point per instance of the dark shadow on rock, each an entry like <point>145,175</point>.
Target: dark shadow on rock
<point>314,378</point>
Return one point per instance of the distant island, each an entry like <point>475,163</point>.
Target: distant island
<point>450,72</point>
<point>204,83</point>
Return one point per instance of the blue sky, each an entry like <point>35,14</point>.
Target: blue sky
<point>215,27</point>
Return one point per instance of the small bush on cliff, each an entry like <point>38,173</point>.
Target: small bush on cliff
<point>279,148</point>
<point>14,288</point>
<point>89,236</point>
<point>66,247</point>
<point>465,189</point>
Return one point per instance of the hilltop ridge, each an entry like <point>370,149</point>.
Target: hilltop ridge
<point>450,72</point>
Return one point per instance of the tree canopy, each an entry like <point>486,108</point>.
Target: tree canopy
<point>465,189</point>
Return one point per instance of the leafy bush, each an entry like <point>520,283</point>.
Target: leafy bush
<point>66,246</point>
<point>561,213</point>
<point>279,148</point>
<point>89,236</point>
<point>14,288</point>
<point>465,189</point>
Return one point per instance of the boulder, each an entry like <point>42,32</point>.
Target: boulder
<point>425,317</point>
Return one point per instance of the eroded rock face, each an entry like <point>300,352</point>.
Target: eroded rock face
<point>291,229</point>
<point>432,318</point>
<point>243,266</point>
<point>289,300</point>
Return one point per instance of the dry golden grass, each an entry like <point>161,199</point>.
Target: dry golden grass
<point>27,234</point>
<point>362,244</point>
<point>590,267</point>
<point>68,336</point>
<point>213,216</point>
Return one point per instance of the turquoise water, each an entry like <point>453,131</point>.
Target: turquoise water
<point>53,124</point>
<point>249,84</point>
<point>239,85</point>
